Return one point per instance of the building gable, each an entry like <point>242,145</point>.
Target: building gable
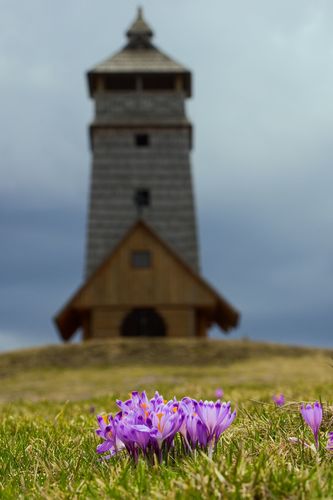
<point>168,281</point>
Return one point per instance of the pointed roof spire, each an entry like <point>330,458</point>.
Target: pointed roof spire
<point>139,34</point>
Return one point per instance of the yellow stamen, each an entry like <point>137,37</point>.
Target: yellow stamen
<point>105,418</point>
<point>174,409</point>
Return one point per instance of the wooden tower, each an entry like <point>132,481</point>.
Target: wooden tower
<point>141,143</point>
<point>142,268</point>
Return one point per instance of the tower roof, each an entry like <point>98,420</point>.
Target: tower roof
<point>139,55</point>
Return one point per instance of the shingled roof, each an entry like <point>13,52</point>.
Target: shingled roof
<point>143,60</point>
<point>138,56</point>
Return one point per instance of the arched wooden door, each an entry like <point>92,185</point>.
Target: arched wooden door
<point>145,322</point>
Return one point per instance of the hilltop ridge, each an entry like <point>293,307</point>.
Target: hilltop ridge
<point>166,352</point>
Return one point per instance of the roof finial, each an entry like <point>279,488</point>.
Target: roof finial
<point>140,33</point>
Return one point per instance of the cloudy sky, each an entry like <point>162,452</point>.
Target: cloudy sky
<point>262,162</point>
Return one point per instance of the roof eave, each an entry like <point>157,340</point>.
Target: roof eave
<point>67,322</point>
<point>226,317</point>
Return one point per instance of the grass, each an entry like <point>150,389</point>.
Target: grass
<point>47,439</point>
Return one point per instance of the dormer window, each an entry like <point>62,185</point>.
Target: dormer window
<point>142,140</point>
<point>141,259</point>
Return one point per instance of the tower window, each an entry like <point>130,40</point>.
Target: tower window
<point>142,198</point>
<point>120,82</point>
<point>141,259</point>
<point>142,140</point>
<point>158,82</point>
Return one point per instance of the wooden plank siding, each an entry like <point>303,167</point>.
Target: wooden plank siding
<point>166,282</point>
<point>106,321</point>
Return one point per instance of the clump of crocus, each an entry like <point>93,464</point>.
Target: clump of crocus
<point>279,399</point>
<point>149,427</point>
<point>313,415</point>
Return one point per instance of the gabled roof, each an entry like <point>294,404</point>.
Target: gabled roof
<point>69,319</point>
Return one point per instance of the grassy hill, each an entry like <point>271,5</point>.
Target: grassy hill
<point>78,371</point>
<point>49,397</point>
<point>170,352</point>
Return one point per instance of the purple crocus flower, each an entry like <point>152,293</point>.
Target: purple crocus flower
<point>137,402</point>
<point>329,445</point>
<point>157,401</point>
<point>279,399</point>
<point>215,419</point>
<point>108,432</point>
<point>193,430</point>
<point>148,425</point>
<point>219,393</point>
<point>188,427</point>
<point>313,415</point>
<point>135,437</point>
<point>165,421</point>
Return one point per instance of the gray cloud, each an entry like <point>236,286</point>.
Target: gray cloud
<point>262,111</point>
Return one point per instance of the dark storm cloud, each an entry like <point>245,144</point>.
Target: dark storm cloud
<point>262,111</point>
<point>41,264</point>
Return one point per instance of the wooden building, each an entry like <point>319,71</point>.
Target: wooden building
<point>142,265</point>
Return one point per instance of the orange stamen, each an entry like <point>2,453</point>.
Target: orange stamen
<point>159,416</point>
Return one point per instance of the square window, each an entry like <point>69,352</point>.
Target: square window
<point>142,198</point>
<point>141,259</point>
<point>142,140</point>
